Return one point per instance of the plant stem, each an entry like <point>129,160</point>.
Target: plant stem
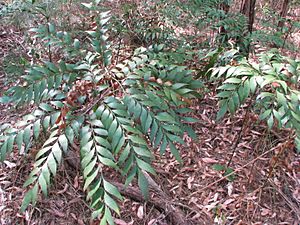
<point>49,47</point>
<point>242,130</point>
<point>287,35</point>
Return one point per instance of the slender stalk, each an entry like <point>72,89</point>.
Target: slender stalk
<point>49,46</point>
<point>242,131</point>
<point>260,142</point>
<point>287,35</point>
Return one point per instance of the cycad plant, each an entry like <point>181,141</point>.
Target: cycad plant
<point>270,85</point>
<point>118,114</point>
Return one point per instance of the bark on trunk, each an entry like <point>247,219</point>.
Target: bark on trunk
<point>248,9</point>
<point>283,13</point>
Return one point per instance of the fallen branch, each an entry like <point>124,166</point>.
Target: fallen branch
<point>292,206</point>
<point>174,215</point>
<point>161,201</point>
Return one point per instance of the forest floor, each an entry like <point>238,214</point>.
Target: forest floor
<point>264,189</point>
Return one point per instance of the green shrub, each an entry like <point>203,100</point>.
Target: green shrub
<point>118,113</point>
<point>272,83</point>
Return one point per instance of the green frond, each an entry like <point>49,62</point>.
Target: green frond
<point>41,83</point>
<point>139,58</point>
<point>96,152</point>
<point>269,82</point>
<point>47,161</point>
<point>29,129</point>
<point>100,38</point>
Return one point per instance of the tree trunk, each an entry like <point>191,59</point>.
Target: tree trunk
<point>284,10</point>
<point>248,9</point>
